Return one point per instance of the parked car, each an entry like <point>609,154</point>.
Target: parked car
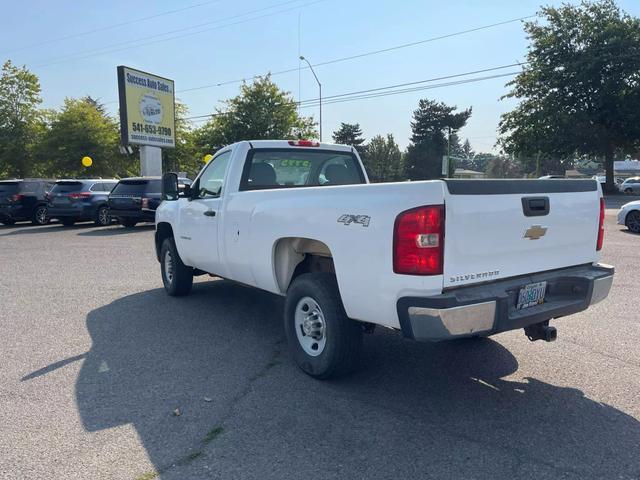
<point>437,260</point>
<point>629,215</point>
<point>81,200</point>
<point>134,200</point>
<point>631,186</point>
<point>602,180</point>
<point>24,200</point>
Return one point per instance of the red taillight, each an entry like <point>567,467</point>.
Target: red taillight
<point>303,143</point>
<point>17,197</point>
<point>79,195</point>
<point>600,227</point>
<point>418,241</point>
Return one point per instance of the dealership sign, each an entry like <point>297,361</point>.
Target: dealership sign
<point>147,109</point>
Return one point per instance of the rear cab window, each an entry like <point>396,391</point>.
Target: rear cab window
<point>295,168</point>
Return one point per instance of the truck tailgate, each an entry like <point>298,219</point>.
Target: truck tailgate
<point>504,228</point>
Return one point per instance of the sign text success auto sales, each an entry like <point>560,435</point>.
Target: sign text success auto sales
<point>149,83</point>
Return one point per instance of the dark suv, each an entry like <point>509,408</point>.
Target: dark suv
<point>24,200</point>
<point>135,200</point>
<point>72,201</point>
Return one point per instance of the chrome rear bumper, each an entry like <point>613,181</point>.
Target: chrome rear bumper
<point>486,309</point>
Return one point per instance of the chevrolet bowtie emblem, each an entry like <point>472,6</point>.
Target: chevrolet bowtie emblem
<point>535,232</point>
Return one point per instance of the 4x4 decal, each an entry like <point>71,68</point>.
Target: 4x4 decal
<point>348,219</point>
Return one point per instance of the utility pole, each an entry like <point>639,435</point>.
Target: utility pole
<point>449,154</point>
<point>319,87</point>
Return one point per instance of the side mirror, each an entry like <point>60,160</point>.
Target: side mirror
<point>170,186</point>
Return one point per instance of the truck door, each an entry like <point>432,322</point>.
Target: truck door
<point>200,217</point>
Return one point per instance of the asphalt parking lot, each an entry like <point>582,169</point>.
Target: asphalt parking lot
<point>96,362</point>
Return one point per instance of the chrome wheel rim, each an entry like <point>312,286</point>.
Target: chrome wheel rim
<point>41,215</point>
<point>103,216</point>
<point>168,266</point>
<point>310,326</point>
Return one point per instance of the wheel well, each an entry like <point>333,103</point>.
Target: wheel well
<point>163,231</point>
<point>294,256</point>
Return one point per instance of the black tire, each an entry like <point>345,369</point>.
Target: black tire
<point>180,281</point>
<point>103,217</point>
<point>40,215</point>
<point>68,222</point>
<point>633,221</point>
<point>628,191</point>
<point>343,343</point>
<point>128,222</point>
<point>8,222</point>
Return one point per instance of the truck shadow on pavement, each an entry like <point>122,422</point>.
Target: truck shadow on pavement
<point>245,411</point>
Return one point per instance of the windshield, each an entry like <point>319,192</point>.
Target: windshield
<point>282,168</point>
<point>137,187</point>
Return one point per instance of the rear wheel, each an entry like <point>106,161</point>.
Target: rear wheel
<point>628,191</point>
<point>103,217</point>
<point>68,222</point>
<point>128,223</point>
<point>633,221</point>
<point>323,341</point>
<point>176,276</point>
<point>40,215</point>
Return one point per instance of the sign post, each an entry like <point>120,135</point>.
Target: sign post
<point>147,116</point>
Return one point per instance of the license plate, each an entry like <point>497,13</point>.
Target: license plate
<point>531,295</point>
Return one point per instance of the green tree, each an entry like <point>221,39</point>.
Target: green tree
<point>480,161</point>
<point>432,122</point>
<point>21,122</point>
<point>183,158</point>
<point>467,150</point>
<point>579,91</point>
<point>82,128</point>
<point>384,159</point>
<point>503,167</point>
<point>260,112</point>
<point>350,134</point>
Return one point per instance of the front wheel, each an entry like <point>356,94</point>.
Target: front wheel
<point>628,191</point>
<point>176,276</point>
<point>103,217</point>
<point>633,221</point>
<point>40,215</point>
<point>323,341</point>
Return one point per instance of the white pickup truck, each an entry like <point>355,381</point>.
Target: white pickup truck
<point>437,260</point>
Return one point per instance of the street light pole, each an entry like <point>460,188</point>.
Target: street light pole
<point>319,88</point>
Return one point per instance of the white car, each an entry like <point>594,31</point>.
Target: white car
<point>629,215</point>
<point>436,260</point>
<point>631,186</point>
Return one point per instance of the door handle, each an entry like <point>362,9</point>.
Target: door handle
<point>210,213</point>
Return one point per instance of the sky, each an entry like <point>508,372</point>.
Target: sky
<point>75,46</point>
